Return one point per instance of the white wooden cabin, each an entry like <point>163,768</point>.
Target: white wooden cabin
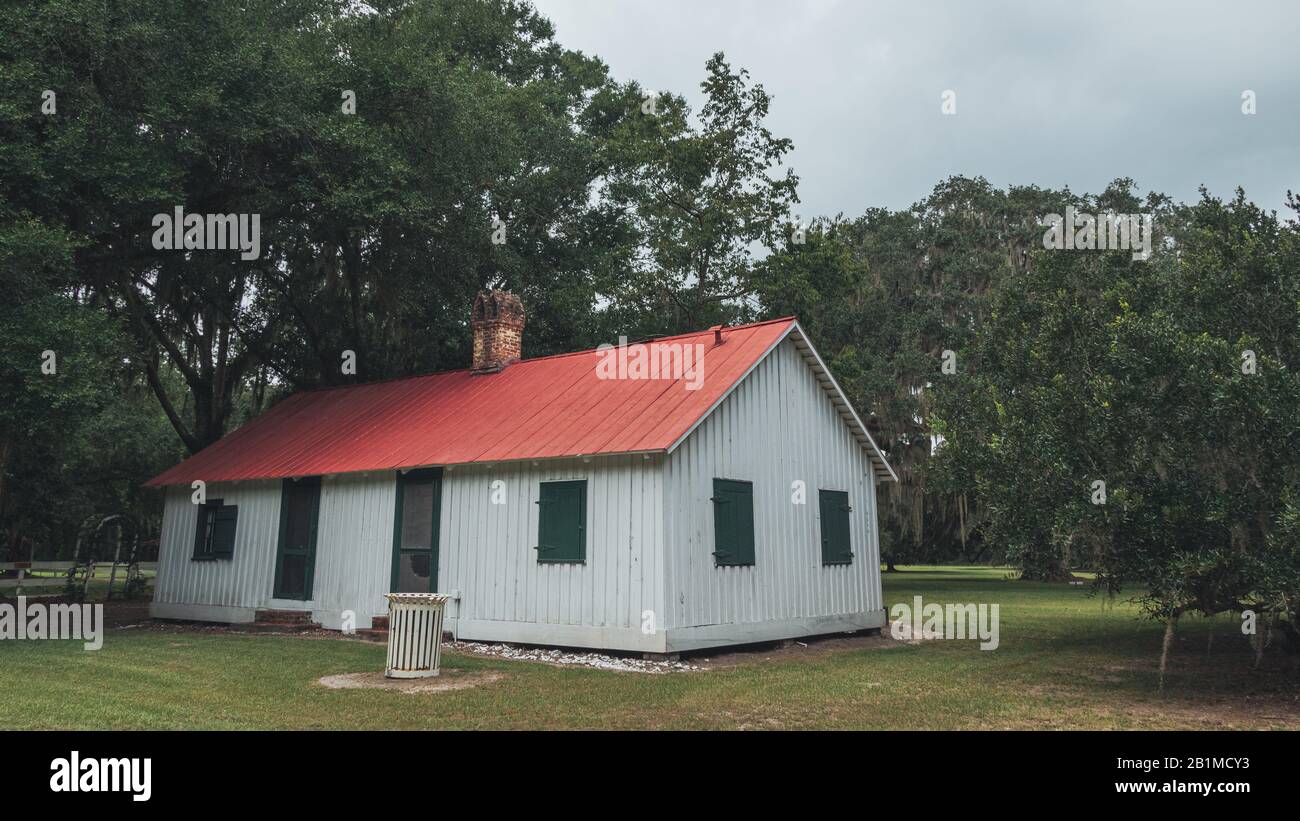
<point>558,506</point>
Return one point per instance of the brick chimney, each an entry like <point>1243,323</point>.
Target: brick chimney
<point>498,325</point>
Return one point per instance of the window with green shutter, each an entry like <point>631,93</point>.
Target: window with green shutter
<point>835,509</point>
<point>562,521</point>
<point>214,535</point>
<point>733,522</point>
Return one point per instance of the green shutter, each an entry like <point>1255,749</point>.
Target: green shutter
<point>834,506</point>
<point>223,531</point>
<point>201,533</point>
<point>733,522</point>
<point>562,521</point>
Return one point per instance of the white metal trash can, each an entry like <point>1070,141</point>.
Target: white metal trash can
<point>414,634</point>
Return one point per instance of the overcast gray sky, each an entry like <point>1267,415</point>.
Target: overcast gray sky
<point>1051,93</point>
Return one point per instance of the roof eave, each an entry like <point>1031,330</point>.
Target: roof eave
<point>483,463</point>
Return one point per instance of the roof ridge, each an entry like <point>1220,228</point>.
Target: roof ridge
<point>548,357</point>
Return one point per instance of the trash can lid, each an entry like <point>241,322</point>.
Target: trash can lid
<point>418,598</point>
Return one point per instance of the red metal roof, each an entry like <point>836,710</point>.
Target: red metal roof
<point>543,408</point>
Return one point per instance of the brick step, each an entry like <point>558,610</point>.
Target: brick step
<point>265,621</point>
<point>303,616</point>
<point>379,623</point>
<point>272,627</point>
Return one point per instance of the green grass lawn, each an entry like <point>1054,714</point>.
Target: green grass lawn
<point>1066,660</point>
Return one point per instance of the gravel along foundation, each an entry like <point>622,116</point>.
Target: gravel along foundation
<point>562,658</point>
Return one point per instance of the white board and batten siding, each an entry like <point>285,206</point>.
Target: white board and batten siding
<point>354,548</point>
<point>649,581</point>
<point>225,590</point>
<point>487,554</point>
<point>776,427</point>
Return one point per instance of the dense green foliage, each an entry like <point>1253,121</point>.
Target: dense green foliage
<point>1173,381</point>
<point>884,295</point>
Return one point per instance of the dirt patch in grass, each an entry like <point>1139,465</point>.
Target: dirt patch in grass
<point>446,681</point>
<point>1216,714</point>
<point>1189,710</point>
<point>1206,694</point>
<point>119,614</point>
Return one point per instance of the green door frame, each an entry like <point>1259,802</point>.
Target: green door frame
<point>309,552</point>
<point>421,475</point>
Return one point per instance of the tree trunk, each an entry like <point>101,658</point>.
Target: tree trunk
<point>14,543</point>
<point>1291,631</point>
<point>1260,642</point>
<point>1164,650</point>
<point>6,445</point>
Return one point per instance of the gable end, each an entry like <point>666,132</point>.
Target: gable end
<point>880,465</point>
